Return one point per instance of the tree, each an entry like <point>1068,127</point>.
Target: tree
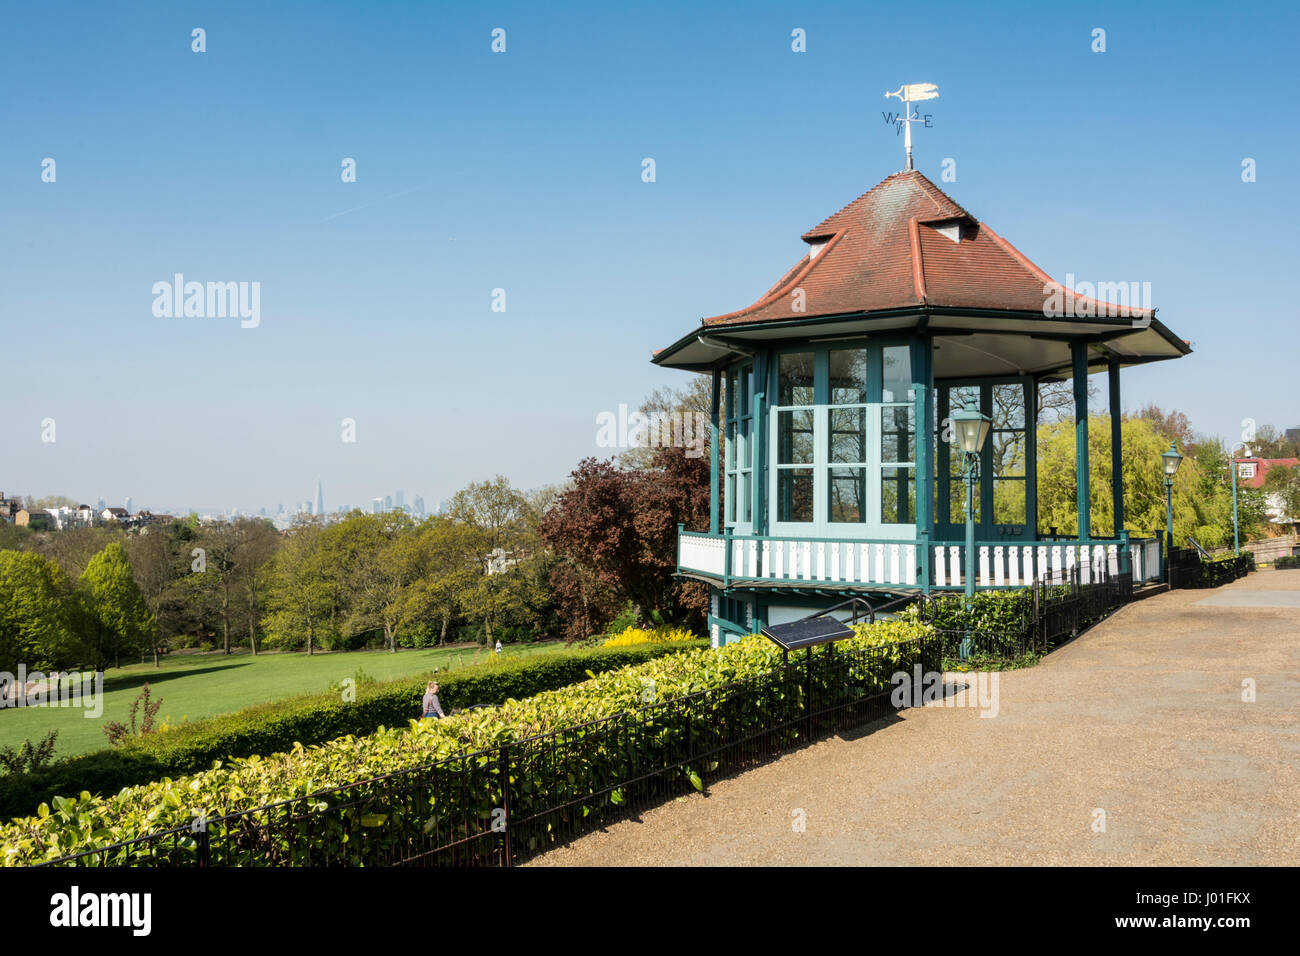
<point>154,565</point>
<point>672,404</point>
<point>114,609</point>
<point>234,554</point>
<point>447,568</point>
<point>1283,482</point>
<point>377,571</point>
<point>1202,496</point>
<point>36,628</point>
<point>258,544</point>
<point>299,597</point>
<point>615,535</point>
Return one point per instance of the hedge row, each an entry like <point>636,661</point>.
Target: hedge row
<point>88,822</point>
<point>277,726</point>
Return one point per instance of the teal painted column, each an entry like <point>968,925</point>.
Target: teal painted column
<point>1116,446</point>
<point>922,379</point>
<point>1079,352</point>
<point>759,443</point>
<point>713,452</point>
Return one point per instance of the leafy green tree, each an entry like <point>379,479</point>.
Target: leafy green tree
<point>115,612</point>
<point>299,596</point>
<point>1283,482</point>
<point>1202,501</point>
<point>36,627</point>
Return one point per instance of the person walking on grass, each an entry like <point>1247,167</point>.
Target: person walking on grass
<point>431,706</point>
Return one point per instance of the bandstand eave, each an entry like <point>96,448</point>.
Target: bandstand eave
<point>1012,343</point>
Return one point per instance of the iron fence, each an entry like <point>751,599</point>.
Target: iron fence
<point>1049,613</point>
<point>1188,569</point>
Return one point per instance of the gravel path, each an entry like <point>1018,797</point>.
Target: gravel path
<point>1142,717</point>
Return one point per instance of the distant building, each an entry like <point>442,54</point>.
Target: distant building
<point>498,560</point>
<point>1293,435</point>
<point>1251,473</point>
<point>115,514</point>
<point>320,499</point>
<point>418,506</point>
<point>9,507</point>
<point>35,518</point>
<point>388,503</point>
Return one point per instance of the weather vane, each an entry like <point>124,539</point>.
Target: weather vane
<point>912,93</point>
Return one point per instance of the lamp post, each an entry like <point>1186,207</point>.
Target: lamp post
<point>1172,460</point>
<point>972,430</point>
<point>1232,469</point>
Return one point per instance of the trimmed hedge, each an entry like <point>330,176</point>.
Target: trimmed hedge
<point>314,719</point>
<point>83,823</point>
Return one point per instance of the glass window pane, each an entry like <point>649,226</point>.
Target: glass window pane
<point>746,499</point>
<point>794,437</point>
<point>730,398</point>
<point>1008,501</point>
<point>744,448</point>
<point>847,489</point>
<point>897,496</point>
<point>957,503</point>
<point>730,501</point>
<point>896,377</point>
<point>795,378</point>
<point>848,440</point>
<point>1008,453</point>
<point>847,370</point>
<point>897,428</point>
<point>961,396</point>
<point>794,494</point>
<point>731,447</point>
<point>1008,406</point>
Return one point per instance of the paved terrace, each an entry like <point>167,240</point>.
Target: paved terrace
<point>1142,717</point>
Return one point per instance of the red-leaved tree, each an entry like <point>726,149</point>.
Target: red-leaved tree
<point>615,535</point>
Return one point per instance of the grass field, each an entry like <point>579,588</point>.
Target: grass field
<point>204,685</point>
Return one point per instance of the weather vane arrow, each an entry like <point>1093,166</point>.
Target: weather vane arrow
<point>911,93</point>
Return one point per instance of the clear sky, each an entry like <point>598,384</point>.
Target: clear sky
<point>522,171</point>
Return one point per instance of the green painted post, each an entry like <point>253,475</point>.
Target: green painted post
<point>713,452</point>
<point>1079,353</point>
<point>924,480</point>
<point>759,443</point>
<point>1116,447</point>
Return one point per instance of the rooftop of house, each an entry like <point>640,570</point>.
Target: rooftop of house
<point>1262,468</point>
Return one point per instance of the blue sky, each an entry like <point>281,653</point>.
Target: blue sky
<point>522,171</point>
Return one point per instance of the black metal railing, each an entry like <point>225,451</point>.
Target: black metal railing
<point>1189,569</point>
<point>1050,612</point>
<point>499,806</point>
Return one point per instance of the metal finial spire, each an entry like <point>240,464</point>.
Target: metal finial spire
<point>912,93</point>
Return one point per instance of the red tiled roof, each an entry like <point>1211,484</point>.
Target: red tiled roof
<point>884,251</point>
<point>1262,465</point>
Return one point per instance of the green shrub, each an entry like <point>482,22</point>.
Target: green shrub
<point>277,726</point>
<point>1286,561</point>
<point>88,822</point>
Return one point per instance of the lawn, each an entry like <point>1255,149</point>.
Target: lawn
<point>204,685</point>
